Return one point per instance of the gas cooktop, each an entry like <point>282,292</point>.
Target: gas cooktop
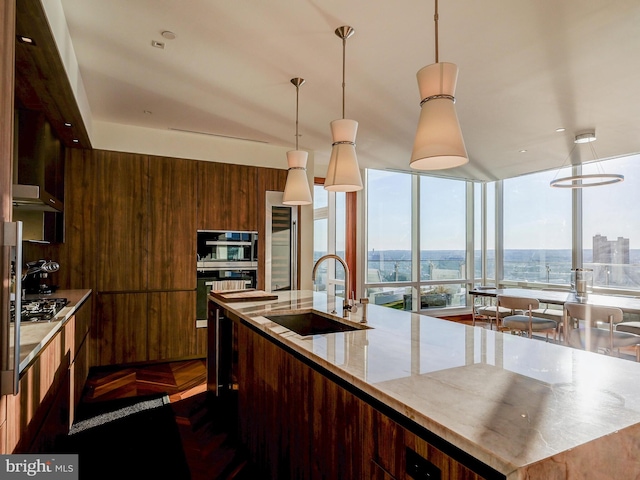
<point>39,310</point>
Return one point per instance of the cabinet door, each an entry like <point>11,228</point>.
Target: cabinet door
<point>123,194</point>
<point>172,325</point>
<point>44,387</point>
<point>172,223</point>
<point>78,372</point>
<point>227,197</point>
<point>122,328</point>
<point>81,219</point>
<point>82,324</point>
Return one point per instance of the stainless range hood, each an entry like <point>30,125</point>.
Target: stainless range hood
<point>38,173</point>
<point>35,198</point>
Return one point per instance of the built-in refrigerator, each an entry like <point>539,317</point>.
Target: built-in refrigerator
<point>10,328</point>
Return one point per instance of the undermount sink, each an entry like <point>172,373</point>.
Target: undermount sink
<point>313,323</point>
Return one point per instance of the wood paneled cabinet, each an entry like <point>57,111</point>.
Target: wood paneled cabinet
<point>298,423</point>
<point>123,203</point>
<point>81,360</point>
<point>132,222</point>
<point>228,197</point>
<point>146,256</point>
<point>50,388</point>
<point>148,326</point>
<point>122,328</point>
<point>172,224</point>
<point>146,222</point>
<point>171,325</point>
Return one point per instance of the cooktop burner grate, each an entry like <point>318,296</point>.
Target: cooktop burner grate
<point>39,310</point>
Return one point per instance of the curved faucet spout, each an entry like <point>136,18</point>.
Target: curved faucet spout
<point>346,272</point>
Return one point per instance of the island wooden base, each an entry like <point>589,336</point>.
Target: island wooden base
<point>299,423</point>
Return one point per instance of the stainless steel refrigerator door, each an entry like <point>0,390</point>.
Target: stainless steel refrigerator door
<point>10,349</point>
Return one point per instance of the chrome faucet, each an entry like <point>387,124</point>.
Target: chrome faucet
<point>346,305</point>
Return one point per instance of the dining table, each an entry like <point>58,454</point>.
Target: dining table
<point>627,304</point>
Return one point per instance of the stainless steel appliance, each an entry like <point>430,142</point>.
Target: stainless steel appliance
<point>39,309</point>
<point>10,347</point>
<point>35,278</point>
<point>227,260</point>
<point>281,245</point>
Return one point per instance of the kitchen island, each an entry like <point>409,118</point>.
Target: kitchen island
<point>499,405</point>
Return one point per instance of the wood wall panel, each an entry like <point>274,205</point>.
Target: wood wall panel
<point>172,223</point>
<point>131,223</point>
<point>227,196</point>
<point>81,219</point>
<point>172,325</point>
<point>121,328</point>
<point>123,202</point>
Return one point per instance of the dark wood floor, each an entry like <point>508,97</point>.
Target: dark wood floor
<point>207,426</point>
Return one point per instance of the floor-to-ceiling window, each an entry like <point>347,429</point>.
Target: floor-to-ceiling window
<point>389,244</point>
<point>525,233</point>
<point>416,237</point>
<point>329,236</point>
<point>443,239</point>
<point>537,230</point>
<point>611,225</point>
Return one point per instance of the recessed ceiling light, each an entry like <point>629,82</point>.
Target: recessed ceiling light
<point>523,151</point>
<point>27,40</point>
<point>157,44</point>
<point>67,124</point>
<point>561,129</point>
<point>75,140</point>
<point>168,35</point>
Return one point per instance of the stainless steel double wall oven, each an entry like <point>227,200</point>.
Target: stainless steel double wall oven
<point>226,260</point>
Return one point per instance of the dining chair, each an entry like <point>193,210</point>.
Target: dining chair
<point>583,331</point>
<point>525,322</point>
<point>489,313</point>
<point>552,311</point>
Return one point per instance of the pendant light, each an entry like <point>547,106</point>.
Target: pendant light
<point>296,189</point>
<point>586,180</point>
<point>343,174</point>
<point>438,143</point>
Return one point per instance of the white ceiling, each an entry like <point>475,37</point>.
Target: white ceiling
<point>527,67</point>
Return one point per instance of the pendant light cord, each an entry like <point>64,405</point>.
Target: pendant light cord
<point>435,19</point>
<point>344,63</point>
<point>297,82</point>
<point>344,32</point>
<point>297,96</point>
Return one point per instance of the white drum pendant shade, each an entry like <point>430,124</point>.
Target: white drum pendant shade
<point>438,143</point>
<point>343,174</point>
<point>296,189</point>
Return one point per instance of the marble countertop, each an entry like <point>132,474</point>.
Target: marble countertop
<point>35,335</point>
<point>527,408</point>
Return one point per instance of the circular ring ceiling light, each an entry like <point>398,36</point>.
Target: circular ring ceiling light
<point>586,180</point>
<point>591,180</point>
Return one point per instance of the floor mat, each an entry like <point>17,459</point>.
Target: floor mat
<point>127,438</point>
